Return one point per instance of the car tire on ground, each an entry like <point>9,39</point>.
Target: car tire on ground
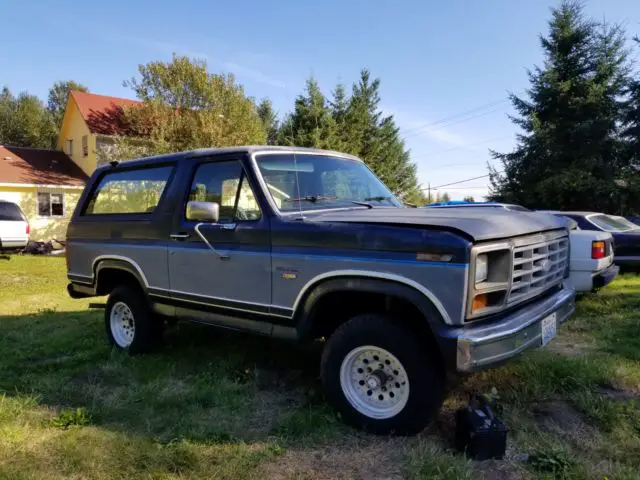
<point>379,377</point>
<point>130,324</point>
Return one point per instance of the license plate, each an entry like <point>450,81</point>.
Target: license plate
<point>548,328</point>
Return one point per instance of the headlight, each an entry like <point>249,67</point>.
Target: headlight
<point>482,268</point>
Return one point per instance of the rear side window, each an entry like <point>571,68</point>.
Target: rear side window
<point>11,212</point>
<point>129,192</point>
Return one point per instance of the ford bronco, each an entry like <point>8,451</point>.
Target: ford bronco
<point>307,244</point>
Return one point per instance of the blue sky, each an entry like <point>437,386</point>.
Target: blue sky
<point>436,60</point>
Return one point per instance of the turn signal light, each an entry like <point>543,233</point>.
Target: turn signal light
<point>28,229</point>
<point>479,302</point>
<point>598,250</point>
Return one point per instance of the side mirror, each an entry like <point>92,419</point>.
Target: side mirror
<point>203,211</point>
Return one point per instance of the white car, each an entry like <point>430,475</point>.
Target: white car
<point>14,228</point>
<point>591,261</point>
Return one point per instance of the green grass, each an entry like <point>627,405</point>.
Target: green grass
<point>214,404</point>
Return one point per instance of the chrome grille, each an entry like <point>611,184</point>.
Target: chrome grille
<point>538,265</point>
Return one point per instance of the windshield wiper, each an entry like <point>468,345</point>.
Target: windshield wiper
<point>311,198</point>
<point>364,204</point>
<point>378,199</point>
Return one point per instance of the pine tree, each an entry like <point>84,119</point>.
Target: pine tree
<point>631,135</point>
<point>469,199</point>
<point>569,154</point>
<point>311,123</point>
<point>269,120</point>
<point>376,139</point>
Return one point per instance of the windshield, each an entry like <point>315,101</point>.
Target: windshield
<point>314,182</point>
<point>610,223</point>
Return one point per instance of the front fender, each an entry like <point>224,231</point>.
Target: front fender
<point>304,312</point>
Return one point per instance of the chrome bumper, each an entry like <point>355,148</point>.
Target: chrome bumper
<point>489,344</point>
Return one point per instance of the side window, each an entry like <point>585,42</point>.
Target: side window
<point>226,184</point>
<point>129,191</point>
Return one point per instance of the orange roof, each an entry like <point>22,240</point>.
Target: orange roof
<point>102,114</point>
<point>38,166</point>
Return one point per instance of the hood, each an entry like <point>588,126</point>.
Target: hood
<point>478,223</point>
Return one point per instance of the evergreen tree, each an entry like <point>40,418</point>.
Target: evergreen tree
<point>269,120</point>
<point>376,139</point>
<point>631,135</point>
<point>569,153</point>
<point>311,123</point>
<point>469,199</point>
<point>354,125</point>
<point>58,96</point>
<point>445,197</point>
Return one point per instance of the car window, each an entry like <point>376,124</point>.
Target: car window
<point>609,223</point>
<point>307,182</point>
<point>226,184</point>
<point>129,192</point>
<point>11,212</point>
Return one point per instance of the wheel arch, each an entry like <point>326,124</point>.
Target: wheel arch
<point>111,271</point>
<point>378,291</point>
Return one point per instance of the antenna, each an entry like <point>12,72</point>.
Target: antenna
<point>295,170</point>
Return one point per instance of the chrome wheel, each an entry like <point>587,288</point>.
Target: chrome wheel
<point>374,382</point>
<point>123,326</point>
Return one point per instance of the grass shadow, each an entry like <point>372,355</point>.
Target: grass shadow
<point>205,385</point>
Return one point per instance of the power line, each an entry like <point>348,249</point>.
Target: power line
<point>462,120</point>
<point>463,181</point>
<point>455,116</point>
<point>424,157</point>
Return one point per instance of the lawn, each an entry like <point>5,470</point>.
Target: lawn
<point>215,404</point>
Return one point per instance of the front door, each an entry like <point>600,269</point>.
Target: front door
<point>223,268</point>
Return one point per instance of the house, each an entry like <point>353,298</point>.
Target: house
<point>46,184</point>
<point>90,121</point>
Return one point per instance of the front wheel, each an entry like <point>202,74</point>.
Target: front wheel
<point>379,377</point>
<point>130,325</point>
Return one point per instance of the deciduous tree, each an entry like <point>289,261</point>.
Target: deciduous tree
<point>58,96</point>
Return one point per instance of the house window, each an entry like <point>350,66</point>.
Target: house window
<point>69,147</point>
<point>50,204</point>
<point>85,145</point>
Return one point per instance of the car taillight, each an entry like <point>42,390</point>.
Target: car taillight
<point>28,229</point>
<point>598,250</point>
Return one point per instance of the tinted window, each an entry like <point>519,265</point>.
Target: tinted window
<point>11,212</point>
<point>226,184</point>
<point>129,191</point>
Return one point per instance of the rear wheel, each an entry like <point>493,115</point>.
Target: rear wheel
<point>129,322</point>
<point>379,377</point>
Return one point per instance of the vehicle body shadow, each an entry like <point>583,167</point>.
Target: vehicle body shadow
<point>205,384</point>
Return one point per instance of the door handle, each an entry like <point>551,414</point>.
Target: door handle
<point>179,236</point>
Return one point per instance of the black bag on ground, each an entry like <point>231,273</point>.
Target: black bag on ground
<point>479,433</point>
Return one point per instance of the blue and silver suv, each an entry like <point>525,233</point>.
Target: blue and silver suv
<point>305,244</point>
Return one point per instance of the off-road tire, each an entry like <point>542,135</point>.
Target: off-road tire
<point>426,377</point>
<point>148,327</point>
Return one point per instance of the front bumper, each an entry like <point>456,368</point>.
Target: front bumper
<point>488,344</point>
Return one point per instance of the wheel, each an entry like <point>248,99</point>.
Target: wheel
<point>377,375</point>
<point>130,323</point>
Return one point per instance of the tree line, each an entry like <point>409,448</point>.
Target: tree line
<point>579,121</point>
<point>579,141</point>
